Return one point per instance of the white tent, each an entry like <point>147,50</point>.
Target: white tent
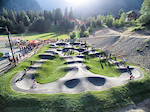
<point>16,41</point>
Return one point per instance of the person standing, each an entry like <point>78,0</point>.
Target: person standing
<point>34,83</point>
<point>124,60</point>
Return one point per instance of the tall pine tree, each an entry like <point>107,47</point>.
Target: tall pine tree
<point>26,20</point>
<point>4,13</point>
<point>71,15</point>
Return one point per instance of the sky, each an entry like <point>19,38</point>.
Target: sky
<point>53,4</point>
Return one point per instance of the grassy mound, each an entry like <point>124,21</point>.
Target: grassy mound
<point>51,70</point>
<point>102,67</point>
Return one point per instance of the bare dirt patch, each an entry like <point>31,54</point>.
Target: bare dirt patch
<point>12,37</point>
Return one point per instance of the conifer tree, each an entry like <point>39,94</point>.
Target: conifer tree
<point>71,15</point>
<point>4,13</point>
<point>26,20</point>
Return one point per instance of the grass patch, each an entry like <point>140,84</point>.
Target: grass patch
<point>51,70</point>
<point>60,47</point>
<point>76,47</point>
<point>102,67</point>
<point>43,36</point>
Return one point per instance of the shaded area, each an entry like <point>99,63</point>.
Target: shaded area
<point>97,54</point>
<point>79,56</point>
<point>97,81</point>
<point>85,52</point>
<point>33,68</point>
<point>39,62</point>
<point>67,49</point>
<point>72,83</point>
<point>61,44</point>
<point>73,69</point>
<point>123,70</point>
<point>76,43</point>
<point>105,62</point>
<point>69,57</point>
<point>71,62</point>
<point>51,52</point>
<point>46,56</point>
<point>80,50</point>
<point>21,78</point>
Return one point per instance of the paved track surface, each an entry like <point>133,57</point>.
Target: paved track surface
<point>77,80</point>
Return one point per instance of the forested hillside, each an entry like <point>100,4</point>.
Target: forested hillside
<point>18,5</point>
<point>35,21</point>
<point>104,6</point>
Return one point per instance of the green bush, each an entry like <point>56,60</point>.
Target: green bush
<point>81,34</point>
<point>122,20</point>
<point>132,22</point>
<point>109,20</point>
<point>72,35</point>
<point>86,34</point>
<point>1,54</point>
<point>116,23</point>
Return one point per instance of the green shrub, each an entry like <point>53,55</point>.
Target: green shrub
<point>122,20</point>
<point>132,22</point>
<point>72,35</point>
<point>1,54</point>
<point>109,20</point>
<point>86,34</point>
<point>116,23</point>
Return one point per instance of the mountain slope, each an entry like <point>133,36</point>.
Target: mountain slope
<point>104,6</point>
<point>18,5</point>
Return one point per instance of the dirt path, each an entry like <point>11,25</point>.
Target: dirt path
<point>12,37</point>
<point>106,31</point>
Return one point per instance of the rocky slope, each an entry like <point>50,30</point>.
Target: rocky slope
<point>135,49</point>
